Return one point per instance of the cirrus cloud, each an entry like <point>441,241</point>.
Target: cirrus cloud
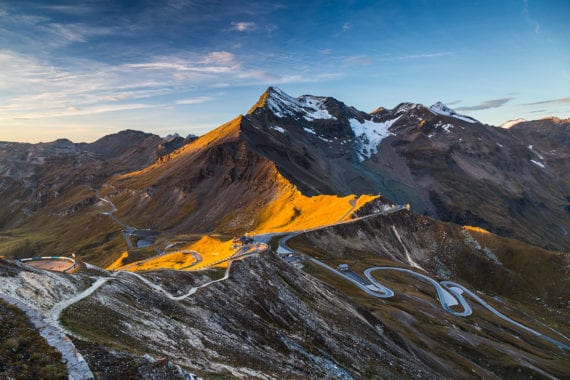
<point>485,105</point>
<point>196,100</point>
<point>550,102</point>
<point>243,26</point>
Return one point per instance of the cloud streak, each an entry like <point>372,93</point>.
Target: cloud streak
<point>487,104</point>
<point>359,60</point>
<point>532,22</point>
<point>550,102</point>
<point>243,26</point>
<point>196,100</point>
<point>33,88</point>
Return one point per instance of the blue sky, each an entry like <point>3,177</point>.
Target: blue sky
<point>85,69</point>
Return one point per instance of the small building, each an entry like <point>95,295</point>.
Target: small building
<point>342,267</point>
<point>243,240</point>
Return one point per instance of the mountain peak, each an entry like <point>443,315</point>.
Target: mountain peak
<point>512,123</point>
<point>282,105</point>
<point>269,94</point>
<point>441,109</point>
<point>406,107</point>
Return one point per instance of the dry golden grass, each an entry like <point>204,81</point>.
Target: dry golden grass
<point>178,260</point>
<point>209,248</point>
<point>476,229</point>
<point>212,250</point>
<point>119,262</point>
<point>293,211</point>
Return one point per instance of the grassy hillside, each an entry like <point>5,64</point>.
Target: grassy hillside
<point>24,353</point>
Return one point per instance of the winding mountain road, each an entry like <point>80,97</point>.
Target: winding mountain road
<point>58,308</point>
<point>187,294</point>
<point>449,293</point>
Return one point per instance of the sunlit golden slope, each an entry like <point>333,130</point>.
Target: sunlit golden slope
<point>209,249</point>
<point>212,250</point>
<point>118,263</point>
<point>476,229</point>
<point>292,211</point>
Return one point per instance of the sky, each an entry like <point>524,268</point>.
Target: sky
<point>83,69</point>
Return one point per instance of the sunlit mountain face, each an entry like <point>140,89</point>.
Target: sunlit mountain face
<point>200,190</point>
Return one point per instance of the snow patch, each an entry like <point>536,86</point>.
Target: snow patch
<point>405,107</point>
<point>315,108</point>
<point>538,163</point>
<point>309,107</point>
<point>441,109</point>
<point>370,134</point>
<point>535,152</point>
<point>278,129</point>
<point>447,127</point>
<point>309,130</point>
<point>512,123</point>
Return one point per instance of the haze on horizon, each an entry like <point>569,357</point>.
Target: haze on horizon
<point>80,70</point>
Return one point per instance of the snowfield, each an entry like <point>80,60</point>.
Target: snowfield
<point>370,134</point>
<point>441,109</point>
<point>310,107</point>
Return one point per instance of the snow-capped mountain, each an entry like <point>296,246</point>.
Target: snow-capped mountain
<point>441,109</point>
<point>511,123</point>
<point>433,158</point>
<point>308,107</point>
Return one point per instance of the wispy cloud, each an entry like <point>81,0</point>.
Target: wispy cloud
<point>550,102</point>
<point>360,60</point>
<point>243,26</point>
<point>424,55</point>
<point>454,102</point>
<point>531,21</point>
<point>487,104</point>
<point>78,9</point>
<point>346,26</point>
<point>32,88</point>
<point>411,57</point>
<point>41,32</point>
<point>74,111</point>
<point>74,32</point>
<point>196,100</point>
<point>270,28</point>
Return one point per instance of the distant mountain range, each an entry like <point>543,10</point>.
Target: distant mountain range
<point>514,182</point>
<point>488,208</point>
